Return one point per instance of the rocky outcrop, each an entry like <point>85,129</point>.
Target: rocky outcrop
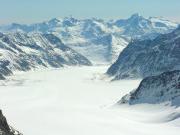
<point>5,129</point>
<point>156,89</point>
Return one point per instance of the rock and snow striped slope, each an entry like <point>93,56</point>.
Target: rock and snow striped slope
<point>156,89</point>
<point>148,57</point>
<point>22,51</point>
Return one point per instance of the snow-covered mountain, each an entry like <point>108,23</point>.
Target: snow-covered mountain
<point>99,40</point>
<point>22,51</point>
<point>148,57</point>
<point>5,129</point>
<point>137,26</point>
<point>156,89</point>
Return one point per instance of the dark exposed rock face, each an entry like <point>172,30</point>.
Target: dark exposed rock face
<point>5,129</point>
<point>4,70</point>
<point>148,57</point>
<point>156,89</point>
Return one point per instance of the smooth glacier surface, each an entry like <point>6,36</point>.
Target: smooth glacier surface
<point>79,101</point>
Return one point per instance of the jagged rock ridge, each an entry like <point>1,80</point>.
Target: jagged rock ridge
<point>22,51</point>
<point>148,57</point>
<point>156,89</point>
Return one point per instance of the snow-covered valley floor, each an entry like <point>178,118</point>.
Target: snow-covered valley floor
<point>77,101</point>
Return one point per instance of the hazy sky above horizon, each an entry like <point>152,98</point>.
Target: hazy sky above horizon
<point>30,11</point>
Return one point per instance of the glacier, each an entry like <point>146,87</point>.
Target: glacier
<point>76,100</point>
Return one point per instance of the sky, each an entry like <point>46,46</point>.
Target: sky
<point>31,11</point>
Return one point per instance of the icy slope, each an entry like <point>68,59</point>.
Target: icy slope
<point>21,51</point>
<point>148,57</point>
<point>157,89</point>
<point>96,38</point>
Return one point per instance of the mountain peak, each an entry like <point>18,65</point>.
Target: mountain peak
<point>54,20</point>
<point>136,18</point>
<point>70,18</point>
<point>136,15</point>
<point>69,21</point>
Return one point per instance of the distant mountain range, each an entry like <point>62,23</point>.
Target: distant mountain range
<point>71,41</point>
<point>99,40</point>
<point>147,48</point>
<point>143,58</point>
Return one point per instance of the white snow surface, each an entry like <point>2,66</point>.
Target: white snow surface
<point>79,101</point>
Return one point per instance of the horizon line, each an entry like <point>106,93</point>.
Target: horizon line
<point>22,22</point>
